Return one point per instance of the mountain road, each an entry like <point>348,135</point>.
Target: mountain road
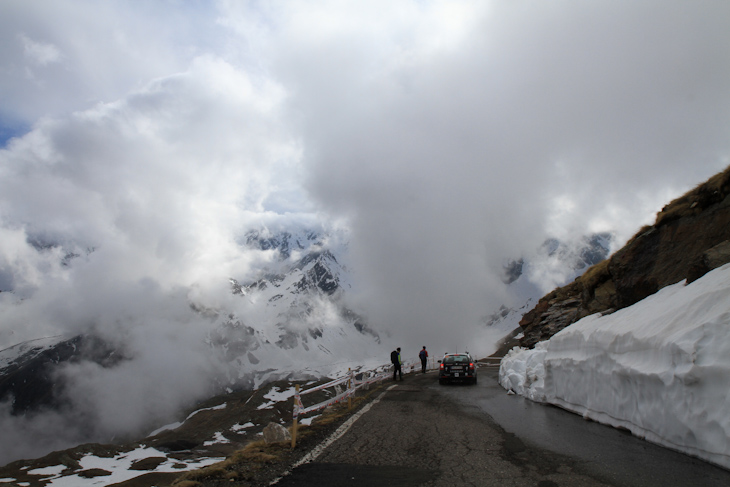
<point>422,434</point>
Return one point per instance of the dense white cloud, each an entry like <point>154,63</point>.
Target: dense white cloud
<point>40,53</point>
<point>66,55</point>
<point>536,119</point>
<point>448,137</point>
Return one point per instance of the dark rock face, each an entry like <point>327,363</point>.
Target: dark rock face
<point>284,242</point>
<point>592,250</point>
<point>320,276</point>
<point>711,259</point>
<point>31,379</point>
<point>691,236</point>
<point>595,250</point>
<point>513,271</point>
<point>670,253</point>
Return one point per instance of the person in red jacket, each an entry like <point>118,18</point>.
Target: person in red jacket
<point>423,355</point>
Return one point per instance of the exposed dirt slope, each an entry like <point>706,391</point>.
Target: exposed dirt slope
<point>248,458</point>
<point>690,237</point>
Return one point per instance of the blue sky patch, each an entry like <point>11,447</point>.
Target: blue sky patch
<point>9,130</point>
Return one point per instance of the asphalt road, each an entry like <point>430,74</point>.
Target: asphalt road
<point>423,434</point>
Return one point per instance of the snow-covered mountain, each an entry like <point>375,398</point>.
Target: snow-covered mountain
<point>289,319</point>
<point>566,261</point>
<point>555,263</point>
<point>291,315</point>
<point>293,319</point>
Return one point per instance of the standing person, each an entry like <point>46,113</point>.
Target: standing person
<point>395,359</point>
<point>423,355</point>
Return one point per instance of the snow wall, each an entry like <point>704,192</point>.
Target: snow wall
<point>660,368</point>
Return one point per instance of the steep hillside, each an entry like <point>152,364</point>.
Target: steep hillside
<point>690,237</point>
<point>289,320</point>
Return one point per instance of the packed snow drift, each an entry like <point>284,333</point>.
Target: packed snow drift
<point>660,368</point>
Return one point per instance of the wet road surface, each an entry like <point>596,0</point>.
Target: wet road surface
<point>423,434</point>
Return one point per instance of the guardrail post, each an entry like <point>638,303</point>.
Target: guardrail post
<point>349,386</point>
<point>352,386</point>
<point>296,417</point>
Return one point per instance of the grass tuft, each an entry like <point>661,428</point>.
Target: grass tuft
<point>243,464</point>
<point>704,195</point>
<point>595,275</point>
<point>239,465</point>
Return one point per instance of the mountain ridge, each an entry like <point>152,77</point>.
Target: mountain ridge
<point>290,320</point>
<point>690,237</point>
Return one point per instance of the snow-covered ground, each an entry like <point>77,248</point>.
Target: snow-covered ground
<point>276,395</point>
<point>660,368</point>
<point>118,466</point>
<point>176,425</point>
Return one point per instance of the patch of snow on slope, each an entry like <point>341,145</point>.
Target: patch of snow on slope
<point>275,395</point>
<point>48,471</point>
<point>239,427</point>
<point>176,425</point>
<point>36,347</point>
<point>119,468</point>
<point>218,438</point>
<point>660,368</point>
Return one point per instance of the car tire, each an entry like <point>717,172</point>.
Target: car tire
<point>442,382</point>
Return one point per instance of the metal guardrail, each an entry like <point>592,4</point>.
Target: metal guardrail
<point>352,385</point>
<point>378,374</point>
<point>490,362</point>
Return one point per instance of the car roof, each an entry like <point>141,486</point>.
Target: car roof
<point>457,355</point>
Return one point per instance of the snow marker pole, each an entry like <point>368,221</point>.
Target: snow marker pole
<point>349,386</point>
<point>294,425</point>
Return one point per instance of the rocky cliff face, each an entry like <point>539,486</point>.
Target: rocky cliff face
<point>28,371</point>
<point>690,237</point>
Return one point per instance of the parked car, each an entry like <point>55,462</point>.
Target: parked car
<point>457,367</point>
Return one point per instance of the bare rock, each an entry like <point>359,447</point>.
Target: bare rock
<point>690,237</point>
<point>276,433</point>
<point>715,257</point>
<point>149,463</point>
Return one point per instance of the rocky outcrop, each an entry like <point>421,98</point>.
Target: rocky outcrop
<point>690,237</point>
<point>711,259</point>
<point>276,433</point>
<point>31,382</point>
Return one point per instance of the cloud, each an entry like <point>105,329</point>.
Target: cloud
<point>448,137</point>
<point>40,53</point>
<point>161,174</point>
<point>547,120</point>
<point>73,54</point>
<point>116,217</point>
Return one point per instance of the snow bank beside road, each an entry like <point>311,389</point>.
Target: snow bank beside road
<point>660,368</point>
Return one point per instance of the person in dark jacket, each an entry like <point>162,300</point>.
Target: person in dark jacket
<point>423,355</point>
<point>395,359</point>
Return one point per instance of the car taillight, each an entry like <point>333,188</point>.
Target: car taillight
<point>471,365</point>
<point>442,367</point>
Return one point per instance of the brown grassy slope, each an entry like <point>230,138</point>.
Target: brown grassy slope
<point>690,237</point>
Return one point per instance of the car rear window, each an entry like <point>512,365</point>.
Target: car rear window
<point>456,359</point>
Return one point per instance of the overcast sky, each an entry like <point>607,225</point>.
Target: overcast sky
<point>448,136</point>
